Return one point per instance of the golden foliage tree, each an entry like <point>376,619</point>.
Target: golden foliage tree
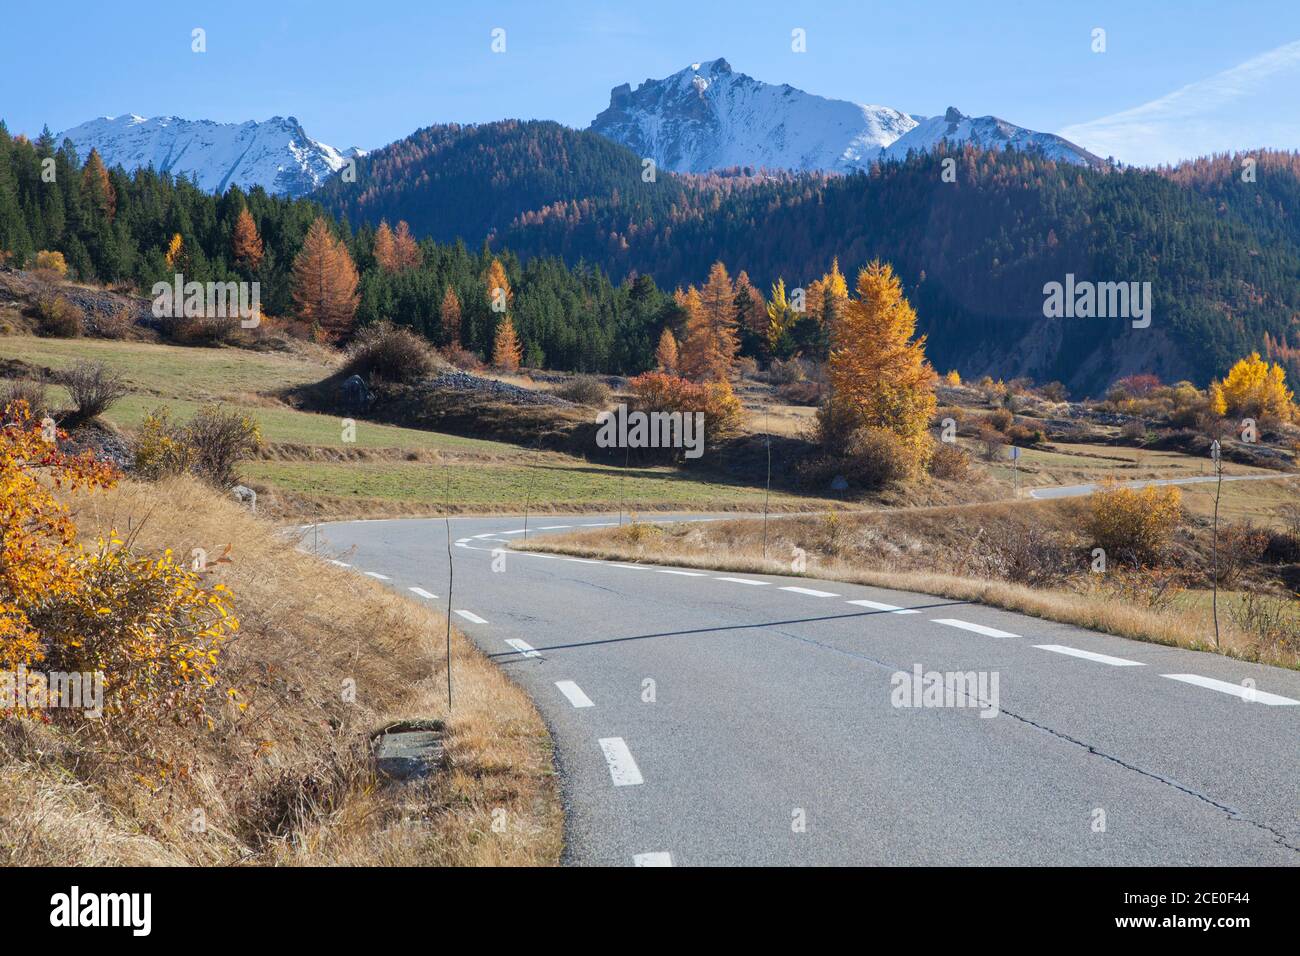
<point>751,310</point>
<point>506,351</point>
<point>709,351</point>
<point>449,316</point>
<point>497,286</point>
<point>1254,388</point>
<point>827,296</point>
<point>877,371</point>
<point>385,247</point>
<point>666,353</point>
<point>780,316</point>
<point>325,282</point>
<point>175,251</point>
<point>406,252</point>
<point>245,243</point>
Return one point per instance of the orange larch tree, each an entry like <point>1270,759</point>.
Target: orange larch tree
<point>506,351</point>
<point>406,252</point>
<point>325,283</point>
<point>385,247</point>
<point>449,314</point>
<point>245,243</point>
<point>666,353</point>
<point>711,343</point>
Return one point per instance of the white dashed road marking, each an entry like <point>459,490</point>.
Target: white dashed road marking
<point>554,527</point>
<point>977,628</point>
<point>1089,655</point>
<point>1249,694</point>
<point>471,617</point>
<point>522,647</point>
<point>572,691</point>
<point>341,564</point>
<point>891,608</point>
<point>653,859</point>
<point>423,593</point>
<point>740,580</point>
<point>689,574</point>
<point>622,768</point>
<point>381,577</point>
<point>810,592</point>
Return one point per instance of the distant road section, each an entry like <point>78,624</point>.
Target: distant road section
<point>1073,491</point>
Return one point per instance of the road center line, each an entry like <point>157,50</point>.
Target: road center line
<point>891,608</point>
<point>572,691</point>
<point>471,617</point>
<point>1248,694</point>
<point>977,628</point>
<point>423,593</point>
<point>810,592</point>
<point>658,858</point>
<point>523,647</point>
<point>622,768</point>
<point>1089,655</point>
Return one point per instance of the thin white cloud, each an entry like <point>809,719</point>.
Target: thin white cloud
<point>1248,106</point>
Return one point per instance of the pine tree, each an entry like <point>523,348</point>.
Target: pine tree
<point>449,315</point>
<point>506,353</point>
<point>96,186</point>
<point>325,283</point>
<point>245,243</point>
<point>878,373</point>
<point>666,353</point>
<point>385,248</point>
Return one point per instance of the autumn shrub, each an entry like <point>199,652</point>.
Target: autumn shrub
<point>1241,545</point>
<point>219,440</point>
<point>800,393</point>
<point>585,390</point>
<point>29,391</point>
<point>384,352</point>
<point>1026,554</point>
<point>145,623</point>
<point>51,262</point>
<point>93,387</point>
<point>999,419</point>
<point>874,458</point>
<point>658,392</point>
<point>462,358</point>
<point>56,317</point>
<point>1272,622</point>
<point>117,325</point>
<point>950,462</point>
<point>1134,524</point>
<point>786,371</point>
<point>159,448</point>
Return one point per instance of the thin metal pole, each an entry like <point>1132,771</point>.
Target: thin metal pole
<point>767,434</point>
<point>450,578</point>
<point>1218,488</point>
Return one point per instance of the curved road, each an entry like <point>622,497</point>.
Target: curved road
<point>715,718</point>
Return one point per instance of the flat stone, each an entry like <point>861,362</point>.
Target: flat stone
<point>402,755</point>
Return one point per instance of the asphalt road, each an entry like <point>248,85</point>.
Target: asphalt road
<point>1074,491</point>
<point>713,718</point>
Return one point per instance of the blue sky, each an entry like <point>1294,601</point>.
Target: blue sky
<point>366,74</point>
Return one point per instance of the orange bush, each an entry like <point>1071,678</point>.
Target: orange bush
<point>658,392</point>
<point>146,624</point>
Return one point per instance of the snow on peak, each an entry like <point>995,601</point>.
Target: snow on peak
<point>277,154</point>
<point>707,116</point>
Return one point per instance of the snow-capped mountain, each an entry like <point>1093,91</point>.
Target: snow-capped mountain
<point>707,116</point>
<point>276,154</point>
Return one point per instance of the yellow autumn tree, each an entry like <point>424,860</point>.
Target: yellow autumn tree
<point>1254,388</point>
<point>506,351</point>
<point>666,353</point>
<point>449,317</point>
<point>709,350</point>
<point>780,316</point>
<point>826,296</point>
<point>175,250</point>
<point>877,371</point>
<point>497,286</point>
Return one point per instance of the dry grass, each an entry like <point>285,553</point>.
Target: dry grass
<point>924,550</point>
<point>289,781</point>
